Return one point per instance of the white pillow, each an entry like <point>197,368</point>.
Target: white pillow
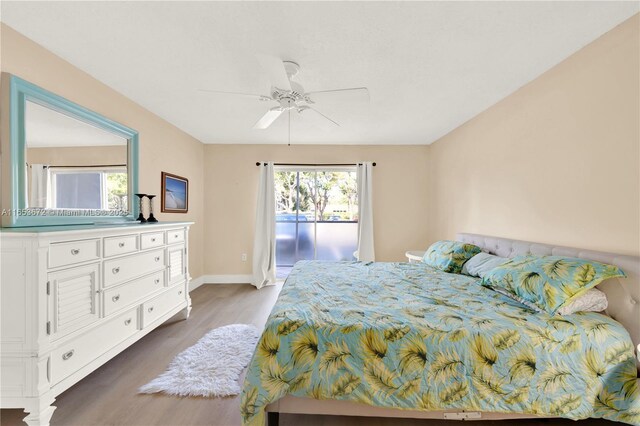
<point>593,300</point>
<point>481,263</point>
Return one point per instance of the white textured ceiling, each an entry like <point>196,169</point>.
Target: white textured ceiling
<point>429,66</point>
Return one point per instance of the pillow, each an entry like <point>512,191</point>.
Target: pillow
<point>549,282</point>
<point>593,300</point>
<point>480,264</point>
<point>449,256</point>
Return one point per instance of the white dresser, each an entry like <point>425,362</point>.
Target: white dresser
<point>73,297</point>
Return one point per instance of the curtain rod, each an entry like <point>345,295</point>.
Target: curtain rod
<point>84,167</point>
<point>315,165</point>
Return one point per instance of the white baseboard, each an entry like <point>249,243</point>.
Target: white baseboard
<point>219,279</point>
<point>195,283</point>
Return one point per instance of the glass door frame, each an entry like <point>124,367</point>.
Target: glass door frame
<point>315,170</point>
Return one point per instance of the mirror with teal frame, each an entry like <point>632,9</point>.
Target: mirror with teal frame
<point>69,165</point>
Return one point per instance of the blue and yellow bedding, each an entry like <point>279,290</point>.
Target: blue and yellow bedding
<point>408,336</point>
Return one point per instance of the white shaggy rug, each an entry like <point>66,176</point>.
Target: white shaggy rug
<point>211,367</point>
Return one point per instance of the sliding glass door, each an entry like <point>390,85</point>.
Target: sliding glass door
<point>316,214</point>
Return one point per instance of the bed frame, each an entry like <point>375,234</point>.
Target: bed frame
<point>624,306</point>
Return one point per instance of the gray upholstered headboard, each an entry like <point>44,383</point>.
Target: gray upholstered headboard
<point>623,295</point>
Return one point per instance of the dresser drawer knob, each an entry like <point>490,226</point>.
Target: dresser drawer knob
<point>180,292</point>
<point>121,245</point>
<point>153,240</point>
<point>127,321</point>
<point>116,270</point>
<point>116,298</point>
<point>75,251</point>
<point>150,309</point>
<point>175,235</point>
<point>157,281</point>
<point>157,258</point>
<point>67,355</point>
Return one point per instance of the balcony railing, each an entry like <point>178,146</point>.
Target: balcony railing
<point>322,240</point>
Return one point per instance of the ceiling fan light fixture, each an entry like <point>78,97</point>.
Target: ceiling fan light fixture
<point>290,95</point>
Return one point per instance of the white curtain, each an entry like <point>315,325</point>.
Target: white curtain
<point>365,217</point>
<point>39,192</point>
<point>264,241</point>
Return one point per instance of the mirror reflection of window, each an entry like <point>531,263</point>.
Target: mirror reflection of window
<point>90,188</point>
<point>72,164</point>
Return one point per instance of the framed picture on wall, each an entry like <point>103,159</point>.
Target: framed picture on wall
<point>175,194</point>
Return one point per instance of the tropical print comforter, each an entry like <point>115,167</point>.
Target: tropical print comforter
<point>407,336</point>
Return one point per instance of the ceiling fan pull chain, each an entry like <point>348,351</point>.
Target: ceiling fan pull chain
<point>289,127</point>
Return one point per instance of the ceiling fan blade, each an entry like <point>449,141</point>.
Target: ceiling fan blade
<point>355,94</point>
<point>268,118</point>
<point>246,95</point>
<point>319,114</point>
<point>275,68</point>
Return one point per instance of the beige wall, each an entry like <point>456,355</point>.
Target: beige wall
<point>163,147</point>
<point>231,181</point>
<point>556,162</point>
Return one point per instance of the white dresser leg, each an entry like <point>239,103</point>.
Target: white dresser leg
<point>186,311</point>
<point>39,417</point>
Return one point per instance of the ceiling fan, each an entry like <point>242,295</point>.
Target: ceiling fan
<point>291,96</point>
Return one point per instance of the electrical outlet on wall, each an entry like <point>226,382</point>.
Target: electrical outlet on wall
<point>244,257</point>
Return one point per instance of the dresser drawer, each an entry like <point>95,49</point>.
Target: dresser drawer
<point>120,245</point>
<point>61,254</point>
<point>158,306</point>
<point>123,269</point>
<point>117,298</point>
<point>175,236</point>
<point>151,240</point>
<point>80,351</point>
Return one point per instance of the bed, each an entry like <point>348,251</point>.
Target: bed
<point>407,340</point>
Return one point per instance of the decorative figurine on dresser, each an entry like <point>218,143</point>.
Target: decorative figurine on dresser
<point>151,218</point>
<point>77,294</point>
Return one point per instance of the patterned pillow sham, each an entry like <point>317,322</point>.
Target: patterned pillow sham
<point>449,256</point>
<point>549,282</point>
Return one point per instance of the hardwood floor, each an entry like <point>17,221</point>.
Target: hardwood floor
<point>108,396</point>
